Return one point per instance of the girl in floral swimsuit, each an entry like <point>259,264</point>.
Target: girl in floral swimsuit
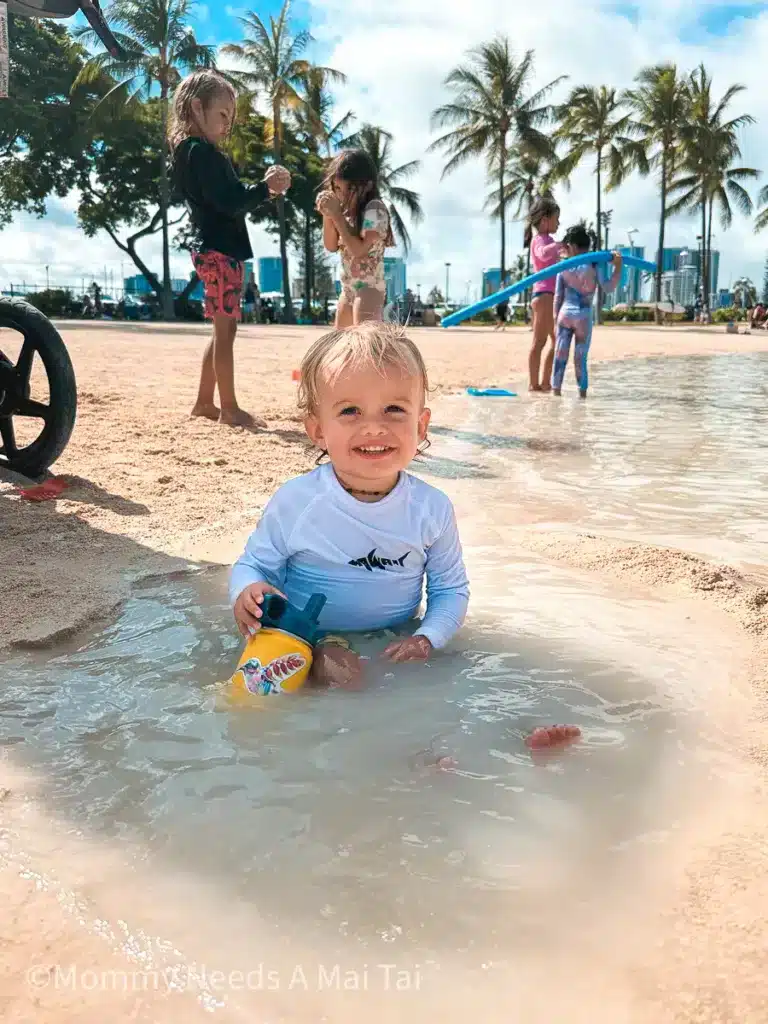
<point>357,225</point>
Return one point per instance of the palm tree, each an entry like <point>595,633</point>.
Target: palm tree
<point>159,46</point>
<point>528,175</point>
<point>592,123</point>
<point>761,221</point>
<point>493,112</point>
<point>377,143</point>
<point>659,105</point>
<point>744,292</point>
<point>314,117</point>
<point>275,65</point>
<point>707,177</point>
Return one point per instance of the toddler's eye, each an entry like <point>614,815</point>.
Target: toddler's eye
<point>350,410</point>
<point>394,408</point>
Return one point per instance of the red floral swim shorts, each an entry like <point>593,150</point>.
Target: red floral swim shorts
<point>223,280</point>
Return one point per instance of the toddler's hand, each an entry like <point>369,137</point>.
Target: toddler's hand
<point>617,259</point>
<point>247,609</point>
<point>328,204</point>
<point>278,180</point>
<point>415,648</point>
<point>337,667</point>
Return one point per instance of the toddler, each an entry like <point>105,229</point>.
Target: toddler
<point>359,528</point>
<point>356,223</point>
<point>574,296</point>
<point>543,221</point>
<point>203,115</point>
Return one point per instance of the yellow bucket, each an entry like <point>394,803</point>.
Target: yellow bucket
<point>272,662</point>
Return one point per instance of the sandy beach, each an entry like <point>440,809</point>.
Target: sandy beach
<point>152,491</point>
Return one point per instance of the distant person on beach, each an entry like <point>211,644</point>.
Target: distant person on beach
<point>501,316</point>
<point>543,221</point>
<point>249,302</point>
<point>360,529</point>
<point>574,298</point>
<point>203,115</point>
<point>356,224</point>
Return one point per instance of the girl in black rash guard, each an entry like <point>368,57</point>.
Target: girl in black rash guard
<point>203,113</point>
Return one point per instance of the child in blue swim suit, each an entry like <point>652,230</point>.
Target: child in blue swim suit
<point>574,298</point>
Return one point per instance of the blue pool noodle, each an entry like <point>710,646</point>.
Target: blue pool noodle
<point>542,275</point>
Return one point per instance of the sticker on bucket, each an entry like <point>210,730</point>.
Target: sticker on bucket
<point>263,679</point>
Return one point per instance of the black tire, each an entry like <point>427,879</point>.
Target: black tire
<point>39,332</point>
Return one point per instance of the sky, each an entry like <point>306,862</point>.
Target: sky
<point>396,55</point>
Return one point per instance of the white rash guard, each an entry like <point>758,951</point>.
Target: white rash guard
<point>370,559</point>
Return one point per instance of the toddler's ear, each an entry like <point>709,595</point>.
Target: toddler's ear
<point>424,420</point>
<point>314,431</point>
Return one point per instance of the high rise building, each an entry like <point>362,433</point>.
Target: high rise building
<point>630,287</point>
<point>491,281</point>
<point>270,274</point>
<point>689,257</point>
<point>395,277</point>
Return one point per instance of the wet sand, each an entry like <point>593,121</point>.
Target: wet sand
<point>152,491</point>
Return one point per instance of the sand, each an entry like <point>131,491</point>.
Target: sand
<point>151,491</point>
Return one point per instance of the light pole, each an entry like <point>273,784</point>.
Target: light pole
<point>447,282</point>
<point>48,278</point>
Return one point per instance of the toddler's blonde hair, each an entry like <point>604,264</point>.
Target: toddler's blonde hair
<point>372,344</point>
<point>203,85</point>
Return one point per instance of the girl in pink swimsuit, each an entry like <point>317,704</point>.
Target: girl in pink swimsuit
<point>543,220</point>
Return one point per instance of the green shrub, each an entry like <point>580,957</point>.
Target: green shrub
<point>53,302</point>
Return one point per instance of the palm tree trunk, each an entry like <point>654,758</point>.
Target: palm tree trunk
<point>704,289</point>
<point>307,310</point>
<point>288,316</point>
<point>168,310</point>
<point>662,226</point>
<point>599,291</point>
<point>710,282</point>
<point>503,214</point>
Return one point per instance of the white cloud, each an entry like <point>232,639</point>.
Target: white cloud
<point>29,245</point>
<point>396,57</point>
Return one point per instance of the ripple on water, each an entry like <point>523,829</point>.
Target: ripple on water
<point>418,793</point>
<point>671,449</point>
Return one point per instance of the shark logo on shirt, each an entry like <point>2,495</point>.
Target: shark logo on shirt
<point>372,561</point>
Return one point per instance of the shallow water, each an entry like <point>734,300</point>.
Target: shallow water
<point>667,450</point>
<point>325,820</point>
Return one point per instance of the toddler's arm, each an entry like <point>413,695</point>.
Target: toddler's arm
<point>546,252</point>
<point>618,262</point>
<point>447,586</point>
<point>559,294</point>
<point>221,187</point>
<point>265,556</point>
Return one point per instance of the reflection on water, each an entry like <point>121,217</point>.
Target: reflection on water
<point>674,450</point>
<point>332,816</point>
<point>329,811</point>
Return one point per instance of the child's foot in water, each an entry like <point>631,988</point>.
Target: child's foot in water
<point>547,737</point>
<point>240,418</point>
<point>210,412</point>
<point>583,393</point>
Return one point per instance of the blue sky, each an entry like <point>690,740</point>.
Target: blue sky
<point>396,54</point>
<point>224,26</point>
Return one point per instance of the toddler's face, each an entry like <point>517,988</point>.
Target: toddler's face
<point>371,423</point>
<point>215,121</point>
<point>549,225</point>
